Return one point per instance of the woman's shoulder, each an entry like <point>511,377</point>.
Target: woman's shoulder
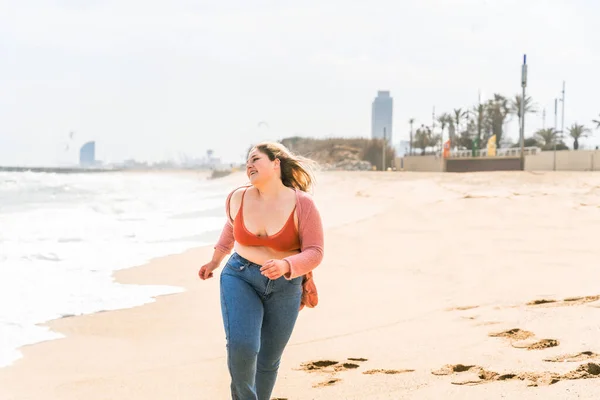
<point>236,194</point>
<point>233,201</point>
<point>305,201</point>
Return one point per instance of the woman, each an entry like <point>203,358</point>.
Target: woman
<point>276,232</point>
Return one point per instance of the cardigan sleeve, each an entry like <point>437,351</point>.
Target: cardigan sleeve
<point>226,240</point>
<point>310,229</point>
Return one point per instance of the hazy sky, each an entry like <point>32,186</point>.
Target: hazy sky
<point>155,79</point>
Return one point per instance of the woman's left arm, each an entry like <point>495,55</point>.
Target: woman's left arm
<point>311,241</point>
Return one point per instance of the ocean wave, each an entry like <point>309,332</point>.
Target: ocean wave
<point>64,235</point>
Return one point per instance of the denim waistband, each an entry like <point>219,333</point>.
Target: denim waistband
<point>246,262</point>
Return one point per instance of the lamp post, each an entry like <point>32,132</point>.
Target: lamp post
<point>555,131</point>
<point>562,122</point>
<point>522,111</point>
<point>383,147</point>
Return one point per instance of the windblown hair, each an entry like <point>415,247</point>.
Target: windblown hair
<point>296,171</point>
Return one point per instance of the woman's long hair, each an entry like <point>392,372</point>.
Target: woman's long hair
<point>296,171</point>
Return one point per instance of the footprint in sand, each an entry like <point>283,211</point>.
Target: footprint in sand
<point>525,339</point>
<point>585,355</point>
<point>374,371</point>
<point>513,334</point>
<point>345,366</point>
<point>476,375</point>
<point>449,369</point>
<point>581,300</point>
<point>333,367</point>
<point>317,365</point>
<point>569,301</point>
<point>330,367</point>
<point>539,345</point>
<point>540,301</point>
<point>329,382</point>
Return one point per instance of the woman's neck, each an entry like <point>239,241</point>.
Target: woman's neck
<point>270,190</point>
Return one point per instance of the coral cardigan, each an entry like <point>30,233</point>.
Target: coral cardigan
<point>310,232</point>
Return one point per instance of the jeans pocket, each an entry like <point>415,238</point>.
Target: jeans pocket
<point>296,281</point>
<point>236,263</point>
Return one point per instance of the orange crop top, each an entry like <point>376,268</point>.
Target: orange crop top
<point>285,240</point>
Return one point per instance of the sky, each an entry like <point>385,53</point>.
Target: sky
<point>157,80</point>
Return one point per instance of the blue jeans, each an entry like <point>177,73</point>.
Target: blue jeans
<point>259,315</point>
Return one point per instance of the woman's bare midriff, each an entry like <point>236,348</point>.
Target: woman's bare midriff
<point>260,254</point>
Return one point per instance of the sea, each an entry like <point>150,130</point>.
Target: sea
<point>63,235</point>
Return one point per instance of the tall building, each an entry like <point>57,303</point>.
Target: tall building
<point>87,154</point>
<point>381,115</point>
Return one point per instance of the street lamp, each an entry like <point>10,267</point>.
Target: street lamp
<point>555,131</point>
<point>522,111</point>
<point>383,147</point>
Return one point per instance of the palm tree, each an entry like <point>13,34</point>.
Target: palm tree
<point>464,141</point>
<point>547,137</point>
<point>597,122</point>
<point>497,109</point>
<point>479,111</point>
<point>445,120</point>
<point>425,138</point>
<point>459,114</point>
<point>442,120</point>
<point>411,122</point>
<point>515,106</point>
<point>577,132</point>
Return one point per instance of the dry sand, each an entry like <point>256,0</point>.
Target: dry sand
<point>434,286</point>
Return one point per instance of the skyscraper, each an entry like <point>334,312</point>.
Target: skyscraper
<point>381,115</point>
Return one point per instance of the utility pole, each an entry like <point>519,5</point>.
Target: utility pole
<point>555,131</point>
<point>433,123</point>
<point>479,126</point>
<point>383,147</point>
<point>562,124</point>
<point>524,85</point>
<point>411,137</point>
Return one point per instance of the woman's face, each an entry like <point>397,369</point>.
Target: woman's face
<point>259,168</point>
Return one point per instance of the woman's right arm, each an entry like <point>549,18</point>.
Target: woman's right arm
<point>225,243</point>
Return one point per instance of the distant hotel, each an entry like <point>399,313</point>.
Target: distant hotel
<point>381,115</point>
<point>87,154</point>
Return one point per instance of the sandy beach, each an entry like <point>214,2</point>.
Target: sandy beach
<point>433,286</point>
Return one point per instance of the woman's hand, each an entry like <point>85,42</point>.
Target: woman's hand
<point>274,269</point>
<point>207,269</point>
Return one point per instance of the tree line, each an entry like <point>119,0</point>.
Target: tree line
<point>470,128</point>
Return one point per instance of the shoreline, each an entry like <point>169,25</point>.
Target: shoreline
<point>151,299</point>
<point>70,327</point>
<point>396,306</point>
<point>32,331</point>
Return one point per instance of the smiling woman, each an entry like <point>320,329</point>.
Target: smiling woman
<point>276,231</point>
